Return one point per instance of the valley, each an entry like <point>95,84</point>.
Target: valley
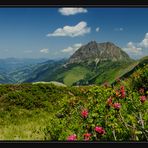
<point>93,63</point>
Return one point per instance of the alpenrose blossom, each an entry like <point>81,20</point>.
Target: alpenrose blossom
<point>100,130</point>
<point>87,136</point>
<point>142,99</point>
<point>122,87</point>
<point>84,113</point>
<point>122,92</point>
<point>117,106</point>
<point>72,137</point>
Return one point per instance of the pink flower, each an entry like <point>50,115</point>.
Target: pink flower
<point>122,87</point>
<point>87,136</point>
<point>99,130</point>
<point>123,94</point>
<point>84,113</point>
<point>72,137</point>
<point>117,106</point>
<point>142,99</point>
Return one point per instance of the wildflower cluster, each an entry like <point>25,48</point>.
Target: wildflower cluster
<point>97,130</point>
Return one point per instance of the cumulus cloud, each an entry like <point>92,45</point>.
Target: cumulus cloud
<point>133,48</point>
<point>139,48</point>
<point>44,50</point>
<point>97,29</point>
<point>144,42</point>
<point>72,31</point>
<point>72,49</point>
<point>72,11</point>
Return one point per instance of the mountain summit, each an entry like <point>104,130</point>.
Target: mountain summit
<point>98,52</point>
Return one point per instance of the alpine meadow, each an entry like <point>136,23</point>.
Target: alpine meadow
<point>74,74</point>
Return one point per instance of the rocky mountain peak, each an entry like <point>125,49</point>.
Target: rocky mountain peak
<point>94,51</point>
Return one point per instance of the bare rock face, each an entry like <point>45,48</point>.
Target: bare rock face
<point>97,52</point>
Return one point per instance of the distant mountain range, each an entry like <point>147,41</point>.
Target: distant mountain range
<point>93,63</point>
<point>9,65</point>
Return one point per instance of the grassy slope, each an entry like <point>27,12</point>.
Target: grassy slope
<point>138,64</point>
<point>23,124</point>
<point>110,71</point>
<point>74,75</point>
<point>130,69</point>
<point>106,71</point>
<point>27,109</point>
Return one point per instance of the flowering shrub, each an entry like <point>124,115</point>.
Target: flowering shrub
<point>142,99</point>
<point>87,136</point>
<point>121,113</point>
<point>72,137</point>
<point>139,79</point>
<point>84,113</point>
<point>99,130</point>
<point>117,106</point>
<point>103,113</point>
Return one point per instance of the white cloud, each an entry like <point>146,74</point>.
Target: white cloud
<point>97,29</point>
<point>72,49</point>
<point>137,49</point>
<point>72,11</point>
<point>72,31</point>
<point>119,29</point>
<point>68,49</point>
<point>132,48</point>
<point>78,45</point>
<point>44,50</point>
<point>144,42</point>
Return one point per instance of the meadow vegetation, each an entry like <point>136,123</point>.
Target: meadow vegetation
<point>107,112</point>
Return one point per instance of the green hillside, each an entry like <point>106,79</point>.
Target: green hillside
<point>44,111</point>
<point>74,75</point>
<point>129,70</point>
<point>109,71</point>
<point>83,74</point>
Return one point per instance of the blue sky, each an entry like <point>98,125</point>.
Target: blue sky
<point>59,32</point>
